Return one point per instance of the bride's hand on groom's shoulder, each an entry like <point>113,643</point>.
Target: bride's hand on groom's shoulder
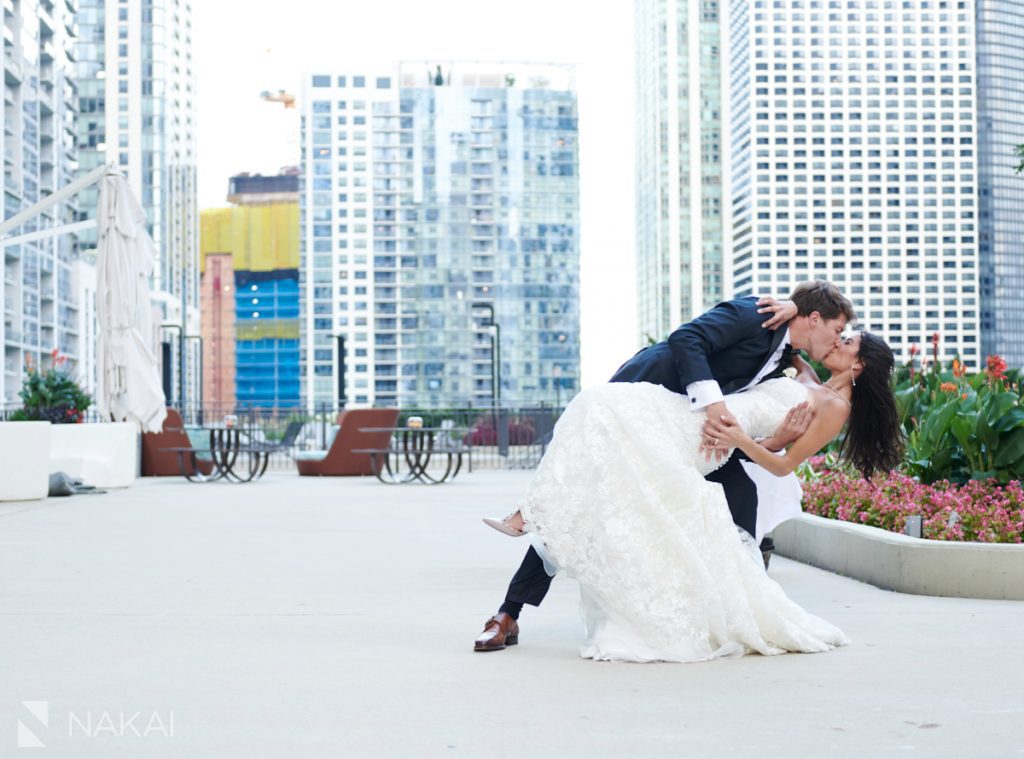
<point>781,311</point>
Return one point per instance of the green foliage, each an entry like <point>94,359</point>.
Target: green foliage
<point>51,395</point>
<point>962,427</point>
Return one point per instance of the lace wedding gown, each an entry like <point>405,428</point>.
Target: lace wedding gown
<point>620,502</point>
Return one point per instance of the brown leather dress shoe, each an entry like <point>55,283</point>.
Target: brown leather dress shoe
<point>499,631</point>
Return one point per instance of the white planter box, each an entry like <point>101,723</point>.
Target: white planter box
<point>25,452</point>
<point>104,455</point>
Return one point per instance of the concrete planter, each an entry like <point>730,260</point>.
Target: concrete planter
<point>904,564</point>
<point>104,455</point>
<point>25,453</point>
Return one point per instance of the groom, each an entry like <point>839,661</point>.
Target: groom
<point>725,350</point>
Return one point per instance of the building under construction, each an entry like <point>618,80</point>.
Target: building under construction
<point>250,294</point>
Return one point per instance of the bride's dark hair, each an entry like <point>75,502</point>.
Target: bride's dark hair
<point>874,439</point>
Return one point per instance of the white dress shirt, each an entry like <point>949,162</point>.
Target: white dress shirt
<point>705,392</point>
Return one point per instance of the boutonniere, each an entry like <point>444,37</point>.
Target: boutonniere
<point>790,372</point>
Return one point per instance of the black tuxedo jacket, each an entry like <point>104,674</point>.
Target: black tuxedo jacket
<point>726,344</point>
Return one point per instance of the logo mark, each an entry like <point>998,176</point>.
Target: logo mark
<point>40,711</point>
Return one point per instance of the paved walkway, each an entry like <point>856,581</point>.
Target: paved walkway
<point>334,618</point>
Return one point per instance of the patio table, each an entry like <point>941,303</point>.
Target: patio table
<point>226,451</point>
<point>416,447</point>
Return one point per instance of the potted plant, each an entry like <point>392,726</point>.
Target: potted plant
<point>51,395</point>
<point>104,455</point>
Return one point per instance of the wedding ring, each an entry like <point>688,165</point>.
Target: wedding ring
<point>716,442</point>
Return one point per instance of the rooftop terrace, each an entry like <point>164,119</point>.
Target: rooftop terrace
<point>335,617</point>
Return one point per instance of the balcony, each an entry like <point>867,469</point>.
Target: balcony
<point>45,20</point>
<point>13,73</point>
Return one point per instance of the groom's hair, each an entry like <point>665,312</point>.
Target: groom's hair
<point>823,297</point>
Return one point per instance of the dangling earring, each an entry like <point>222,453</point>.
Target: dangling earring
<point>853,377</point>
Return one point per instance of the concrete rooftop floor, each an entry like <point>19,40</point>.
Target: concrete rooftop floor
<point>335,617</point>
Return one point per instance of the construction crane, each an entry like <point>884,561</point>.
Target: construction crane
<point>279,97</point>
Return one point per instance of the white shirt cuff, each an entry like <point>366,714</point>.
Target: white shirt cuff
<point>703,394</point>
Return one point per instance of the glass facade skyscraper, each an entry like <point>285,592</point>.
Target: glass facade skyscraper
<point>40,302</point>
<point>436,198</point>
<point>136,85</point>
<point>1000,25</point>
<point>680,214</point>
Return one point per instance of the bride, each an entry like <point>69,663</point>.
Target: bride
<point>620,502</point>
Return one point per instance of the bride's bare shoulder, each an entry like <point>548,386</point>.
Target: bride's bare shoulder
<point>827,403</point>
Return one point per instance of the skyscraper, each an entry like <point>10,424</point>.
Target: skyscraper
<point>1000,93</point>
<point>680,214</point>
<point>437,201</point>
<point>39,295</point>
<point>854,158</point>
<point>136,84</point>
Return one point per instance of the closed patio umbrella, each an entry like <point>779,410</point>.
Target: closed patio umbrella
<point>128,379</point>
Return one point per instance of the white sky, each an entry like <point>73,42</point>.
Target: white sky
<point>245,47</point>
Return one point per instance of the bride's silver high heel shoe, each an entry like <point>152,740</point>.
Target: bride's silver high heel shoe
<point>503,526</point>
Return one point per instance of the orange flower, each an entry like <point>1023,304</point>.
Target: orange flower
<point>959,370</point>
<point>947,387</point>
<point>963,397</point>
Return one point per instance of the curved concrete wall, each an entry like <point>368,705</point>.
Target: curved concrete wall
<point>901,563</point>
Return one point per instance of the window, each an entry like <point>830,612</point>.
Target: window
<point>359,81</point>
<point>383,83</point>
<point>341,81</point>
<point>321,81</point>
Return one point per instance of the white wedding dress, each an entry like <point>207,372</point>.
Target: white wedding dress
<point>620,502</point>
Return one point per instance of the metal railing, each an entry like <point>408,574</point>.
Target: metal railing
<point>496,437</point>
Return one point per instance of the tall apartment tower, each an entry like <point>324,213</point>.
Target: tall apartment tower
<point>136,84</point>
<point>855,158</point>
<point>38,144</point>
<point>437,201</point>
<point>681,219</point>
<point>1000,94</point>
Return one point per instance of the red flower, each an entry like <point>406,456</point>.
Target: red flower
<point>996,368</point>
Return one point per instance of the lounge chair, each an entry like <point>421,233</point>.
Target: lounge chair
<point>157,462</point>
<point>287,441</point>
<point>339,460</point>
